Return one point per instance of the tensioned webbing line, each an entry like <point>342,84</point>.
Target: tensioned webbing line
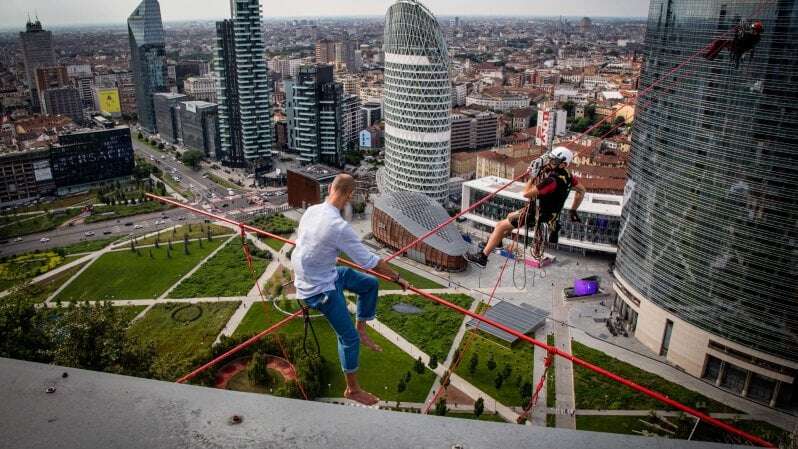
<point>518,334</point>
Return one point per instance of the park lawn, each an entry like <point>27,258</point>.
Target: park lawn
<point>89,246</point>
<point>19,226</point>
<point>274,244</point>
<point>484,417</point>
<point>627,425</point>
<point>105,213</point>
<point>521,358</point>
<point>223,182</point>
<point>594,391</point>
<point>379,372</point>
<point>176,233</point>
<point>225,274</point>
<point>182,341</point>
<point>416,280</point>
<point>135,275</point>
<point>433,330</point>
<point>67,201</point>
<point>129,312</point>
<point>40,291</point>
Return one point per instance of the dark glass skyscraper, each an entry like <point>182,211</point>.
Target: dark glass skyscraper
<point>147,59</point>
<point>245,104</point>
<point>708,256</point>
<point>37,51</point>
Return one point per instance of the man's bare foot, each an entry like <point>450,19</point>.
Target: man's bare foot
<point>368,342</point>
<point>361,396</point>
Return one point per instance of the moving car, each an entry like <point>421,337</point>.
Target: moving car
<point>44,240</point>
<point>89,233</point>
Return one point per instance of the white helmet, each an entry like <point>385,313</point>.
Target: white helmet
<point>563,155</point>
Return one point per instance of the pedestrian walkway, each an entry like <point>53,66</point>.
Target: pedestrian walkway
<point>564,369</point>
<point>538,414</point>
<point>196,267</point>
<point>585,412</point>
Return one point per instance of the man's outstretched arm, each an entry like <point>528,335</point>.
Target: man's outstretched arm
<point>352,246</point>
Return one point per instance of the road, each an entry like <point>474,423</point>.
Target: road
<point>68,235</point>
<point>189,178</point>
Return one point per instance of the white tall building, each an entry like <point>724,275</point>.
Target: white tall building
<point>551,122</point>
<point>417,102</point>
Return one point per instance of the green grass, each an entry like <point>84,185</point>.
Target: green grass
<point>484,417</point>
<point>129,312</point>
<point>521,359</point>
<point>274,244</point>
<point>19,226</point>
<point>182,341</point>
<point>89,246</point>
<point>551,420</point>
<point>67,201</point>
<point>594,391</point>
<point>433,330</point>
<point>416,280</point>
<point>176,233</point>
<point>127,275</point>
<point>40,291</point>
<point>15,270</point>
<point>377,370</point>
<point>105,213</point>
<point>551,383</point>
<point>223,182</point>
<point>275,224</point>
<point>611,424</point>
<point>225,274</point>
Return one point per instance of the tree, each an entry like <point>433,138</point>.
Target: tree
<point>525,391</point>
<point>161,146</point>
<point>498,381</point>
<point>440,407</point>
<point>507,370</point>
<point>408,376</point>
<point>192,158</point>
<point>185,244</point>
<point>491,362</point>
<point>23,331</point>
<point>479,407</point>
<point>140,135</point>
<point>419,366</point>
<point>400,387</point>
<point>472,364</point>
<point>258,373</point>
<point>433,362</point>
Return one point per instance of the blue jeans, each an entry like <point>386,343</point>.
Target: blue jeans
<point>332,305</point>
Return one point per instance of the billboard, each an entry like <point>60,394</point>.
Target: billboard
<point>108,98</point>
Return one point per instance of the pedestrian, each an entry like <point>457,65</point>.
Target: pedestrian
<point>322,235</point>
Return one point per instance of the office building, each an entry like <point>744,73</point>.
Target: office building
<point>201,88</point>
<point>198,126</point>
<point>85,86</point>
<point>187,69</point>
<point>63,101</point>
<point>244,94</point>
<point>417,103</point>
<point>706,262</point>
<point>147,59</point>
<point>87,157</point>
<point>472,130</point>
<point>372,114</point>
<point>347,55</point>
<point>25,175</point>
<point>325,51</point>
<point>309,185</point>
<point>600,214</point>
<point>314,106</point>
<point>353,118</point>
<point>167,115</point>
<point>37,51</point>
<point>497,100</point>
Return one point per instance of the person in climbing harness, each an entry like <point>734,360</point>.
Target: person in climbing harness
<point>746,38</point>
<point>322,235</point>
<point>553,191</point>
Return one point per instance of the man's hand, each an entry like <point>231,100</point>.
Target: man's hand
<point>402,283</point>
<point>575,217</point>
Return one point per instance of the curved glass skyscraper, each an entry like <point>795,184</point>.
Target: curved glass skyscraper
<point>417,102</point>
<point>708,257</point>
<point>147,59</point>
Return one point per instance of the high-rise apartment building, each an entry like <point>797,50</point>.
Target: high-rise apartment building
<point>37,51</point>
<point>325,51</point>
<point>244,95</point>
<point>314,106</point>
<point>147,59</point>
<point>705,273</point>
<point>353,118</point>
<point>417,102</point>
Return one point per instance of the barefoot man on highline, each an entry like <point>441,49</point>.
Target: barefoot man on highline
<point>323,234</point>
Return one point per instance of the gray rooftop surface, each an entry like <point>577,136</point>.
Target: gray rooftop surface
<point>97,410</point>
<point>419,214</point>
<point>524,318</point>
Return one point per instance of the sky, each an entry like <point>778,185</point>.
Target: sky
<point>13,13</point>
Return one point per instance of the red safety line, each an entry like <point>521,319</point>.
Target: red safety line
<point>551,349</point>
<point>240,347</point>
<point>533,400</point>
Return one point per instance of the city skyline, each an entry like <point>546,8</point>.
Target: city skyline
<point>57,13</point>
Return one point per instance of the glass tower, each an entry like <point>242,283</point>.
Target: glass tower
<point>147,59</point>
<point>244,95</point>
<point>417,102</point>
<point>710,224</point>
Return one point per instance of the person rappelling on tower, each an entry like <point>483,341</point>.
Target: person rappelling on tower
<point>555,184</point>
<point>746,38</point>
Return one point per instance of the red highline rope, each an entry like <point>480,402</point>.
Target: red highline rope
<point>550,349</point>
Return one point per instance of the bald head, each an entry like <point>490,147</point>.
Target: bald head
<point>343,184</point>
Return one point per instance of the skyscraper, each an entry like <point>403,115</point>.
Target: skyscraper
<point>417,102</point>
<point>245,103</point>
<point>707,257</point>
<point>37,51</point>
<point>147,59</point>
<point>56,94</point>
<point>315,115</point>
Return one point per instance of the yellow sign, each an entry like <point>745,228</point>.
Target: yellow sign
<point>109,101</point>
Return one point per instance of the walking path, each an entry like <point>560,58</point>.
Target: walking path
<point>89,260</point>
<point>196,267</point>
<point>538,414</point>
<point>584,412</point>
<point>564,369</point>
